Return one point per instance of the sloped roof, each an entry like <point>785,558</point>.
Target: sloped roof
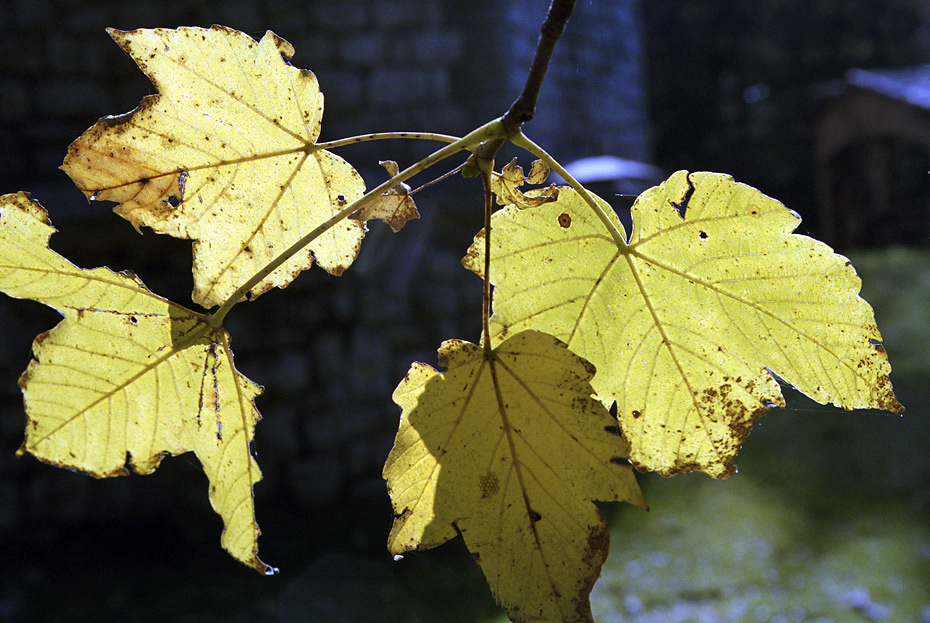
<point>910,85</point>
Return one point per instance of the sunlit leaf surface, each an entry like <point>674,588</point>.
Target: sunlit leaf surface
<point>128,377</point>
<point>223,154</point>
<point>687,322</point>
<point>510,449</point>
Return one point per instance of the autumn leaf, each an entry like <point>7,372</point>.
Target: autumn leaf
<point>395,207</point>
<point>128,377</point>
<point>506,185</point>
<point>223,154</point>
<point>509,449</point>
<point>687,324</point>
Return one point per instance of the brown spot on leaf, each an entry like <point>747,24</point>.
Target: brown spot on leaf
<point>103,168</point>
<point>595,554</point>
<point>489,484</point>
<point>565,220</point>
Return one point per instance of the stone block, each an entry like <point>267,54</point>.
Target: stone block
<point>395,14</point>
<point>132,15</point>
<point>334,428</point>
<point>313,51</point>
<point>62,497</point>
<point>340,16</point>
<point>9,510</point>
<point>278,432</point>
<point>364,50</point>
<point>316,480</point>
<point>21,55</point>
<point>399,85</point>
<point>369,365</point>
<point>328,350</point>
<point>63,98</point>
<point>244,15</point>
<point>30,13</point>
<point>437,47</point>
<point>14,99</point>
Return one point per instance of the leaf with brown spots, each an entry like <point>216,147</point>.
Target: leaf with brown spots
<point>224,154</point>
<point>395,207</point>
<point>688,320</point>
<point>509,448</point>
<point>128,377</point>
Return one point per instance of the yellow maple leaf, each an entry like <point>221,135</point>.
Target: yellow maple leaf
<point>128,377</point>
<point>223,154</point>
<point>509,449</point>
<point>685,323</point>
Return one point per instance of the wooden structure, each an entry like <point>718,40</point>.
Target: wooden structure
<point>872,159</point>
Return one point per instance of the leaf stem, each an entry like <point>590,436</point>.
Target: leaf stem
<point>488,131</point>
<point>380,136</point>
<point>520,140</point>
<point>438,179</point>
<point>487,168</point>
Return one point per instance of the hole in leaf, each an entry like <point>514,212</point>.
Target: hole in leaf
<point>702,235</point>
<point>878,345</point>
<point>682,206</point>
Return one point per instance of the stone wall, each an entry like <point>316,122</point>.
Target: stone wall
<point>328,351</point>
<point>594,99</point>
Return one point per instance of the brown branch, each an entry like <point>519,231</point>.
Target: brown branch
<point>524,108</point>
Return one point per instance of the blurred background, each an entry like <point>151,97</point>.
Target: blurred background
<point>823,104</point>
